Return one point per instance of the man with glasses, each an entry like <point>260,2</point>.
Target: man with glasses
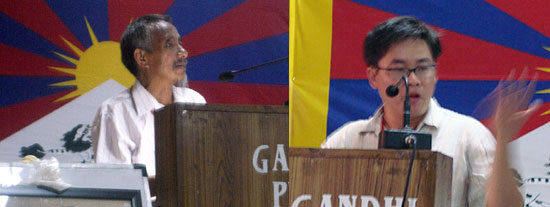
<point>405,46</point>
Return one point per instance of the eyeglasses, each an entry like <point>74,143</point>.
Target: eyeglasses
<point>421,71</point>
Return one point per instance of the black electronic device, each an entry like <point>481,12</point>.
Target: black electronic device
<point>398,139</point>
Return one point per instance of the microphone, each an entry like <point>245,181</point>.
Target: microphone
<point>393,90</point>
<point>230,74</point>
<point>227,75</point>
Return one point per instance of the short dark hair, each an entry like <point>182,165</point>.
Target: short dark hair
<point>139,34</point>
<point>394,30</point>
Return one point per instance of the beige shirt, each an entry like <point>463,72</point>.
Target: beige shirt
<point>460,137</point>
<point>124,130</point>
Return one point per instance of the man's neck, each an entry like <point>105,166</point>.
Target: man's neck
<point>160,90</point>
<point>394,119</point>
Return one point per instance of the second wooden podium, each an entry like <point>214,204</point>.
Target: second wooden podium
<point>221,155</point>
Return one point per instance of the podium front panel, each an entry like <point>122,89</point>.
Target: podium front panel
<point>214,155</point>
<point>367,176</point>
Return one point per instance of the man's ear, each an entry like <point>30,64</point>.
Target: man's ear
<point>371,75</point>
<point>139,56</point>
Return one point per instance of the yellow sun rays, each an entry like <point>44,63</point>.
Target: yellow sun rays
<point>97,64</point>
<point>92,35</point>
<point>545,91</point>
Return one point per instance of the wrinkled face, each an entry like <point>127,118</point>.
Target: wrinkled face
<point>406,54</point>
<point>168,59</point>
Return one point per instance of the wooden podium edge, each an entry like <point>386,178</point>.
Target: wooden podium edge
<point>268,109</point>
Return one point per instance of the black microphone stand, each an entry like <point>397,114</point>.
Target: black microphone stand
<point>406,137</point>
<point>230,74</point>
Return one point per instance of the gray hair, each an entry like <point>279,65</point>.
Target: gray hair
<point>139,35</point>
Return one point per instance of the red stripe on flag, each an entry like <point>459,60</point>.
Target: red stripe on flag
<point>39,18</point>
<point>536,17</point>
<point>17,62</point>
<point>122,11</point>
<point>252,20</point>
<point>464,57</point>
<point>17,116</point>
<point>241,93</point>
<point>468,58</point>
<point>350,24</point>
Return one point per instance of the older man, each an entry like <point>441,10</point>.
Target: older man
<point>405,46</point>
<point>123,129</point>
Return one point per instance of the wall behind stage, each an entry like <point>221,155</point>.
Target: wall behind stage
<point>483,41</point>
<point>61,59</point>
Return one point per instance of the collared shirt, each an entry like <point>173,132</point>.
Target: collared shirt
<point>124,130</point>
<point>466,140</point>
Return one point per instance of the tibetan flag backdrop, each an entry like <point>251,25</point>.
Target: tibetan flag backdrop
<point>482,42</point>
<point>61,59</point>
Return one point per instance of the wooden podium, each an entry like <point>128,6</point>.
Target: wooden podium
<point>370,175</point>
<point>213,155</point>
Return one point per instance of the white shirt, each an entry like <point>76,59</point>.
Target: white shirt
<point>460,137</point>
<point>124,130</point>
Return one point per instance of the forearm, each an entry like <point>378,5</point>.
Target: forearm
<point>502,189</point>
<point>510,116</point>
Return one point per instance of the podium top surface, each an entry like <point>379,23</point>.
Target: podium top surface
<point>229,108</point>
<point>360,153</point>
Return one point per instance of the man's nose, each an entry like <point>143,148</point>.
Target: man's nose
<point>413,79</point>
<point>182,53</point>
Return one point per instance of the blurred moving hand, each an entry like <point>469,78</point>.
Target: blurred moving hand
<point>511,112</point>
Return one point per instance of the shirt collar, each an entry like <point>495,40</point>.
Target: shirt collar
<point>143,100</point>
<point>374,125</point>
<point>433,115</point>
<point>179,95</point>
<point>431,118</point>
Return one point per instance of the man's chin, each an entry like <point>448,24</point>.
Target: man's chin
<point>419,109</point>
<point>181,75</point>
<point>181,80</point>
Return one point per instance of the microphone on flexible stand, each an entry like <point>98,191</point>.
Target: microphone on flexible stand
<point>393,90</point>
<point>401,138</point>
<point>407,137</point>
<point>230,74</point>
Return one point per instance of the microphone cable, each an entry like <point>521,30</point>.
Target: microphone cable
<point>409,173</point>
